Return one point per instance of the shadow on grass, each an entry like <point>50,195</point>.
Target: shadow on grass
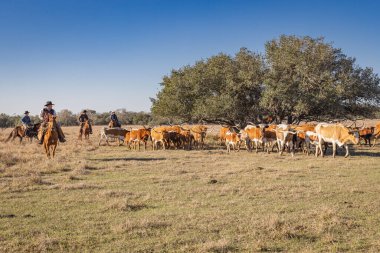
<point>365,153</point>
<point>142,159</point>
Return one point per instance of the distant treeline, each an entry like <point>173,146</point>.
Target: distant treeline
<point>68,118</point>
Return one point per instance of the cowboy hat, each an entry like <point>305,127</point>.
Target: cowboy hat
<point>49,103</point>
<point>84,111</point>
<point>26,112</point>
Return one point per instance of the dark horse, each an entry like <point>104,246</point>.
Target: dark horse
<point>19,132</point>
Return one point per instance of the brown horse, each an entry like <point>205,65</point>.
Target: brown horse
<point>85,129</point>
<point>20,132</point>
<point>51,136</point>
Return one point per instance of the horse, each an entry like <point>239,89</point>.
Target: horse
<point>51,136</point>
<point>19,132</point>
<point>113,124</point>
<point>85,129</point>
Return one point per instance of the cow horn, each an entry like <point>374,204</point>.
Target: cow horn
<point>349,125</point>
<point>250,123</point>
<point>362,126</point>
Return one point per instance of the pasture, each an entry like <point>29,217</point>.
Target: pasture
<point>111,199</point>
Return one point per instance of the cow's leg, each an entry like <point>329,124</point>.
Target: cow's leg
<point>307,148</point>
<point>374,142</point>
<point>334,149</point>
<point>282,147</point>
<point>320,146</point>
<point>347,151</point>
<point>292,148</point>
<point>279,146</point>
<point>164,147</point>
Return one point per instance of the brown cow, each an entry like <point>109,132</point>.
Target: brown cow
<point>376,134</point>
<point>270,138</point>
<point>185,138</point>
<point>198,135</point>
<point>366,134</point>
<point>301,136</point>
<point>136,136</point>
<point>254,134</point>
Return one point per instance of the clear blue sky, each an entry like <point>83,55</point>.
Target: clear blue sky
<point>113,54</point>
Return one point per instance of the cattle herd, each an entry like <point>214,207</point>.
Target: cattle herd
<point>282,137</point>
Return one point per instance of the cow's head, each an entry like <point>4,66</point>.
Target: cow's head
<point>354,136</point>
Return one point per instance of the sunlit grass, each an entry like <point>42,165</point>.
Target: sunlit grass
<point>111,199</point>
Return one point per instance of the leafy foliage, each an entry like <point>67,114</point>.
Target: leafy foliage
<point>299,78</point>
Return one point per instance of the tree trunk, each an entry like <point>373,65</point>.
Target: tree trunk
<point>290,119</point>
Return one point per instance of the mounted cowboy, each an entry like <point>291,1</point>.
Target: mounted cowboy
<point>82,118</point>
<point>26,121</point>
<point>114,120</point>
<point>44,116</point>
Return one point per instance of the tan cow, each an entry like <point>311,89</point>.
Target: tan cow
<point>158,135</point>
<point>232,140</point>
<point>337,134</point>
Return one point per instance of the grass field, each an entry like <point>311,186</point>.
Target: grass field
<point>111,199</point>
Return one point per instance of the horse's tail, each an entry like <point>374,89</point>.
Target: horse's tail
<point>10,136</point>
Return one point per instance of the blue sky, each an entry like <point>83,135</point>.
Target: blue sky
<point>113,54</point>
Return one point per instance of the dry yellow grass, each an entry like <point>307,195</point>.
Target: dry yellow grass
<point>111,199</point>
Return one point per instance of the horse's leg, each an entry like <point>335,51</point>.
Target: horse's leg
<point>54,148</point>
<point>47,151</point>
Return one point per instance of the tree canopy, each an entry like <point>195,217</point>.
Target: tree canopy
<point>298,78</point>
